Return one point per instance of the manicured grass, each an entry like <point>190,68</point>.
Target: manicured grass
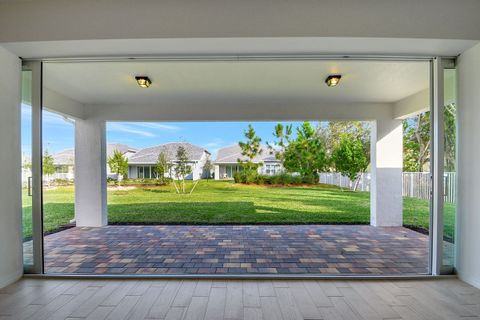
<point>224,202</point>
<point>58,209</point>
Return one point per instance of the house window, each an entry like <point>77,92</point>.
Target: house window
<point>154,172</point>
<point>61,169</point>
<point>272,169</point>
<point>146,172</point>
<point>229,172</point>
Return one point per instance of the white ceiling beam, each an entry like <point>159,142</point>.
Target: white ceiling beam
<point>412,105</point>
<point>63,105</point>
<point>420,102</point>
<point>237,112</point>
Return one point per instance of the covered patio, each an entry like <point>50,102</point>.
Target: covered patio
<point>237,250</point>
<point>238,91</point>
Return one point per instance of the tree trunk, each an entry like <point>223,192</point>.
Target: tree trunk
<point>355,185</point>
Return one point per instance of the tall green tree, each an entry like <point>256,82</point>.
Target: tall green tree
<point>305,154</point>
<point>182,167</point>
<point>118,164</point>
<point>48,165</point>
<point>251,148</point>
<point>331,133</point>
<point>162,166</point>
<point>450,122</point>
<point>350,158</point>
<point>416,140</point>
<point>283,136</point>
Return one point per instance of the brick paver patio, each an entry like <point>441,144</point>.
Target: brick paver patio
<point>299,249</point>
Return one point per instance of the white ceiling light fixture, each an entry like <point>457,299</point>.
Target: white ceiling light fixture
<point>143,81</point>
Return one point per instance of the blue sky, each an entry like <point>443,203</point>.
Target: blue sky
<point>209,135</point>
<point>58,134</point>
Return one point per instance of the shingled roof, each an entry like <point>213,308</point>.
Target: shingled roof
<point>67,157</point>
<point>123,148</point>
<point>64,158</point>
<point>150,155</point>
<point>232,153</point>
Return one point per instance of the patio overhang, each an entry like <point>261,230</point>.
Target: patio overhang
<point>385,111</point>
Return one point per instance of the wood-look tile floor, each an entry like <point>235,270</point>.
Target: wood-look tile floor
<point>237,299</point>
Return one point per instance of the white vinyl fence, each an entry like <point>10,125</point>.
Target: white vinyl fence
<point>338,180</point>
<point>415,184</point>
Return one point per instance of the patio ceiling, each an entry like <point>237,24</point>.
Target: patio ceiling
<point>250,82</point>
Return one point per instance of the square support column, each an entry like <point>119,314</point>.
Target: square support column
<point>90,173</point>
<point>386,202</point>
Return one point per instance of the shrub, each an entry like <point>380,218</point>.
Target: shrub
<point>240,177</point>
<point>247,177</point>
<point>280,179</point>
<point>62,182</point>
<point>147,182</point>
<point>310,179</point>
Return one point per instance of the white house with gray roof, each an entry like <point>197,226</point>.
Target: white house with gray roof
<point>64,161</point>
<point>227,164</point>
<point>142,165</point>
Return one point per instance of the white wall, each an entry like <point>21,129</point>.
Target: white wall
<point>11,265</point>
<point>198,167</point>
<point>468,237</point>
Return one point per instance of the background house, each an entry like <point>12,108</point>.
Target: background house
<point>127,151</point>
<point>142,164</point>
<point>64,162</point>
<point>227,164</point>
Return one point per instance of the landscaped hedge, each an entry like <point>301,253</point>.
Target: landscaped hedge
<point>140,182</point>
<point>280,179</point>
<point>61,182</point>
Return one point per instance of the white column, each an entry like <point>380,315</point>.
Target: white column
<point>386,205</point>
<point>217,172</point>
<point>11,267</point>
<point>90,173</point>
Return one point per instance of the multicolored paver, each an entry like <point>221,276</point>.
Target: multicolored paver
<point>262,249</point>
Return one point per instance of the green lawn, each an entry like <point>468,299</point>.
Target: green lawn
<point>223,202</point>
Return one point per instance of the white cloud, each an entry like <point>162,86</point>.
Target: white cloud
<point>215,143</point>
<point>119,127</point>
<point>159,126</point>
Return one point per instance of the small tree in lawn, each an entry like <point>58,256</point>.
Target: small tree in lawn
<point>47,163</point>
<point>208,167</point>
<point>350,157</point>
<point>162,166</point>
<point>118,164</point>
<point>182,168</point>
<point>250,149</point>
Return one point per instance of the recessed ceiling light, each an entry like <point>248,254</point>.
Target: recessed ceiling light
<point>333,80</point>
<point>143,81</point>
